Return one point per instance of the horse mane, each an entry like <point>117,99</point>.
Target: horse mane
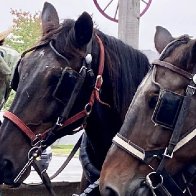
<point>127,67</point>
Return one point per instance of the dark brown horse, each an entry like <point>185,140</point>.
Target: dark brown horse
<point>74,72</point>
<point>154,152</point>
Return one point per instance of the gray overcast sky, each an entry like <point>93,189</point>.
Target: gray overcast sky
<point>178,16</point>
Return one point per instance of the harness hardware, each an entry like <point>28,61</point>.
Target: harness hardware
<point>150,180</point>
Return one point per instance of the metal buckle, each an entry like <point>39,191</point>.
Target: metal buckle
<point>82,68</point>
<point>190,90</point>
<point>37,141</point>
<point>58,122</point>
<point>98,79</point>
<point>168,155</point>
<point>150,180</point>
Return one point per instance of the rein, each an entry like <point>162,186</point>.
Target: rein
<point>42,140</point>
<point>175,142</point>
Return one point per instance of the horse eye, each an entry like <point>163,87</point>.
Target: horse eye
<point>153,100</point>
<point>54,80</point>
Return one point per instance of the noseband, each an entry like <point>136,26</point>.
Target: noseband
<point>175,142</point>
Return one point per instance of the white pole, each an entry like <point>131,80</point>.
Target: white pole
<point>128,22</point>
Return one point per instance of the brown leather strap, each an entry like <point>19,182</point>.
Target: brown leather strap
<point>20,124</point>
<point>101,56</point>
<point>173,68</point>
<point>94,94</point>
<point>99,79</point>
<point>75,118</point>
<point>45,178</point>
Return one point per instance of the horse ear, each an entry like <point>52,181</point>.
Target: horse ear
<point>162,38</point>
<point>49,17</point>
<point>83,29</point>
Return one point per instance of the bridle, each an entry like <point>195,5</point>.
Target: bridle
<point>159,178</point>
<point>41,141</point>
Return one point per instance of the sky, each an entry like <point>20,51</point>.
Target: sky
<point>178,16</point>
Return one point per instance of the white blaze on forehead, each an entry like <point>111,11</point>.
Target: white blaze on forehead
<point>41,54</point>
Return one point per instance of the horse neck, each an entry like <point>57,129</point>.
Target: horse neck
<point>121,78</point>
<point>102,125</point>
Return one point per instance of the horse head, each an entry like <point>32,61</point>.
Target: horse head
<point>156,143</point>
<point>48,79</point>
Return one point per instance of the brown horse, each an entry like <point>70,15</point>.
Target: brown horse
<point>75,76</point>
<point>154,152</point>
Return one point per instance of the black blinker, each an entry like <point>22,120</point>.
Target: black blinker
<point>67,85</point>
<point>167,109</point>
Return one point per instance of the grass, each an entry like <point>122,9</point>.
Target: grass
<point>62,150</point>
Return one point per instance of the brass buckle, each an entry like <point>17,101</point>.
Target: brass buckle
<point>98,79</point>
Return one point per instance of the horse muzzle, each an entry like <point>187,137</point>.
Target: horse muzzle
<point>137,187</point>
<point>7,173</point>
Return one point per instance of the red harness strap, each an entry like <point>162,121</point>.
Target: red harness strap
<point>84,113</point>
<point>96,90</point>
<point>19,123</point>
<point>99,79</point>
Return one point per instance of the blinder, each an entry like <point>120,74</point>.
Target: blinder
<point>68,85</point>
<point>167,109</point>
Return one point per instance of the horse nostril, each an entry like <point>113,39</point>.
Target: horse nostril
<point>5,165</point>
<point>138,187</point>
<point>6,171</point>
<point>144,191</point>
<point>108,191</point>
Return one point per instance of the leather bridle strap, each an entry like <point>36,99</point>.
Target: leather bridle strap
<point>44,176</point>
<point>139,152</point>
<point>99,79</point>
<point>95,92</point>
<point>84,113</point>
<point>173,68</point>
<point>94,96</point>
<point>20,124</point>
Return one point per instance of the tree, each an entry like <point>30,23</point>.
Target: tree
<point>26,33</point>
<point>26,30</point>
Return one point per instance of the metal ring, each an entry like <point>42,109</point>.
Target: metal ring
<point>149,180</point>
<point>88,108</point>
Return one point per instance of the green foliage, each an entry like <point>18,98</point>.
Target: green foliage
<point>9,100</point>
<point>63,150</point>
<point>26,33</point>
<point>26,30</point>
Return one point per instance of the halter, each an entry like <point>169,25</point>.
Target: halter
<point>47,137</point>
<point>175,142</point>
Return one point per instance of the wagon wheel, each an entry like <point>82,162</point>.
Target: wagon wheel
<point>106,8</point>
